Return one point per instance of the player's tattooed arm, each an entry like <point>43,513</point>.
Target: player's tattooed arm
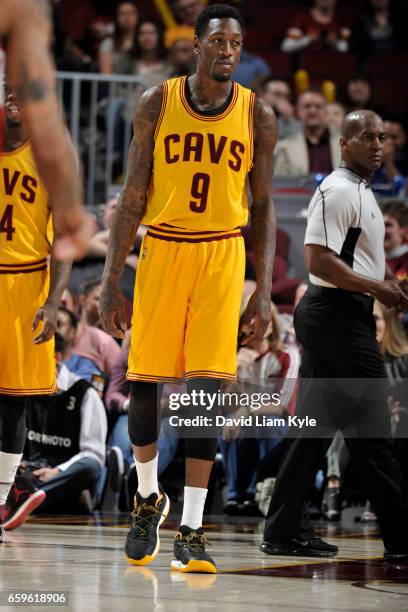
<point>60,271</point>
<point>263,220</point>
<point>130,210</point>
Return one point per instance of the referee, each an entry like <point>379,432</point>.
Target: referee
<point>334,323</point>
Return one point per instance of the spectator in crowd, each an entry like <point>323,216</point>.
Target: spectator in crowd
<point>148,59</point>
<point>273,367</point>
<point>335,115</point>
<point>396,131</point>
<point>114,51</point>
<point>90,341</point>
<point>76,419</point>
<point>379,28</point>
<point>276,92</point>
<point>149,53</point>
<point>182,58</point>
<point>186,13</point>
<point>317,28</point>
<point>359,94</point>
<point>67,326</point>
<point>117,403</point>
<point>251,69</point>
<point>396,237</point>
<point>98,244</point>
<point>387,180</point>
<point>316,147</point>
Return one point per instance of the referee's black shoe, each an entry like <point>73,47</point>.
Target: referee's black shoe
<point>143,542</point>
<point>398,558</point>
<point>315,547</point>
<point>190,554</point>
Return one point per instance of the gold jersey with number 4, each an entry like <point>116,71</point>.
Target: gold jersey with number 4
<point>191,270</point>
<point>25,244</point>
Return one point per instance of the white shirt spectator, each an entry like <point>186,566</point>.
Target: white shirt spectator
<point>94,426</point>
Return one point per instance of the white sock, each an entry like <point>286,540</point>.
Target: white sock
<point>147,477</point>
<point>193,507</point>
<point>9,463</point>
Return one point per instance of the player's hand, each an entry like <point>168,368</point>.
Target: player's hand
<point>112,310</point>
<point>74,243</point>
<point>47,314</point>
<point>257,316</point>
<point>46,473</point>
<point>392,294</point>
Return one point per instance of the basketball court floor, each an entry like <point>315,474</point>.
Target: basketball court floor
<point>84,557</point>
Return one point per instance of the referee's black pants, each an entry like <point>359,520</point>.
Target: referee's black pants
<point>336,329</point>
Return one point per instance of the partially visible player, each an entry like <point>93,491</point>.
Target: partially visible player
<point>30,291</point>
<point>25,32</point>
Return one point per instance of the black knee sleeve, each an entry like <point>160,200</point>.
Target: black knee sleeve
<point>144,413</point>
<point>198,447</point>
<point>12,424</point>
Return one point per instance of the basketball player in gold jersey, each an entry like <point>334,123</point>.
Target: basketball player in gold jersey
<point>30,291</point>
<point>25,33</point>
<point>195,142</point>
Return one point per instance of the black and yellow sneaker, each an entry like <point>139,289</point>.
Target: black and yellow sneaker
<point>143,542</point>
<point>190,554</point>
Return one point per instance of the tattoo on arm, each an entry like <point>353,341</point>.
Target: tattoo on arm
<point>30,88</point>
<point>132,200</point>
<point>263,210</point>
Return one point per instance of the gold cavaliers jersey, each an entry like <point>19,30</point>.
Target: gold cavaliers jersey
<point>200,162</point>
<point>25,232</point>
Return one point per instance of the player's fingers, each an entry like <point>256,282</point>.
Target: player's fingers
<point>108,324</point>
<point>46,334</point>
<point>39,316</point>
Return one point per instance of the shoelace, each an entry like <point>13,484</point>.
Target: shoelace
<point>195,541</point>
<point>143,523</point>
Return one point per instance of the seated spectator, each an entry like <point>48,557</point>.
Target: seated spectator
<point>335,115</point>
<point>148,58</point>
<point>317,28</point>
<point>276,92</point>
<point>251,69</point>
<point>67,326</point>
<point>91,342</point>
<point>379,28</point>
<point>117,403</point>
<point>395,238</point>
<point>75,418</point>
<point>272,367</point>
<point>98,244</point>
<point>397,134</point>
<point>387,181</point>
<point>186,13</point>
<point>359,95</point>
<point>113,55</point>
<point>316,147</point>
<point>182,58</point>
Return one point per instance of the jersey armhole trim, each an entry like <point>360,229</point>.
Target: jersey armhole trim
<point>251,127</point>
<point>162,109</point>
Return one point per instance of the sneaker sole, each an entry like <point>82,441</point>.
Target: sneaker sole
<point>194,566</point>
<point>35,500</point>
<point>149,558</point>
<point>296,552</point>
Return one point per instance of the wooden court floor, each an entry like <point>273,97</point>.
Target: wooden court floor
<point>84,556</point>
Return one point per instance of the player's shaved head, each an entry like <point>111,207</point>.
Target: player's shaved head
<point>357,120</point>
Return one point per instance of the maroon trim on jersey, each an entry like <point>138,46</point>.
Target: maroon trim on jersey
<point>197,114</point>
<point>179,239</point>
<point>23,270</point>
<point>24,265</point>
<point>157,228</point>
